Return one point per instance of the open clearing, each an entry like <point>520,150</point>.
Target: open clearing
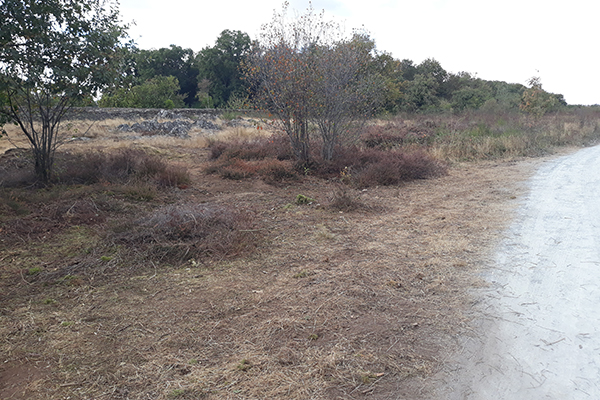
<point>361,304</point>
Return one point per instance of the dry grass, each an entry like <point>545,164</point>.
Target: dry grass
<point>353,303</point>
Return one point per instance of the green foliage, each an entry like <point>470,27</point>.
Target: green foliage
<point>302,199</point>
<point>422,93</point>
<point>52,55</point>
<point>536,101</point>
<point>219,65</point>
<point>172,61</point>
<point>158,92</point>
<point>469,98</point>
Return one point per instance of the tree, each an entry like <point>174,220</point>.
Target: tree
<point>158,92</point>
<point>535,100</point>
<point>409,70</point>
<point>172,61</point>
<point>220,65</point>
<point>422,93</point>
<point>306,74</point>
<point>344,89</point>
<point>52,54</point>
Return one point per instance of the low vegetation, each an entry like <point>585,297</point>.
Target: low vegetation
<point>215,267</point>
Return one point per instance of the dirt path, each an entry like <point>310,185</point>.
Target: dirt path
<point>538,333</point>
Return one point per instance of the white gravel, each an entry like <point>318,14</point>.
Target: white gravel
<point>539,315</point>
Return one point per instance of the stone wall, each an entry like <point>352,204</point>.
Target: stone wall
<point>98,114</point>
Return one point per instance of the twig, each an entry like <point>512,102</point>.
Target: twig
<point>154,265</point>
<point>550,344</point>
<point>22,277</point>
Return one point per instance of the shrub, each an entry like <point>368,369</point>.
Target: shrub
<point>276,146</point>
<point>189,231</point>
<point>398,133</point>
<point>276,171</point>
<point>394,167</point>
<point>173,175</point>
<point>342,200</point>
<point>234,169</point>
<point>120,167</point>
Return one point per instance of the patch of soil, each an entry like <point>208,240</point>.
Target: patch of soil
<point>22,379</point>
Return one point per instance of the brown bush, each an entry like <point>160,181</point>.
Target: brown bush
<point>173,175</point>
<point>343,200</point>
<point>394,167</point>
<point>398,133</point>
<point>122,166</point>
<point>276,146</point>
<point>189,231</point>
<point>276,171</point>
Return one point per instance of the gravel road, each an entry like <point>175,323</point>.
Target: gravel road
<point>538,316</point>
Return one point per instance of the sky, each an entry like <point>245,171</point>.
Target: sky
<point>504,40</point>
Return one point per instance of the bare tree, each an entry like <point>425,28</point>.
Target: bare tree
<point>306,74</point>
<point>345,90</point>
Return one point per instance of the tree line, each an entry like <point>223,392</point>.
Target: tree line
<point>214,78</point>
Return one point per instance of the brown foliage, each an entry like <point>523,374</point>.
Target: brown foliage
<point>189,231</point>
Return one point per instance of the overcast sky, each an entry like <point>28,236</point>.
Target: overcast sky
<point>507,40</point>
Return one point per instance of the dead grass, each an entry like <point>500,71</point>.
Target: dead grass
<point>356,295</point>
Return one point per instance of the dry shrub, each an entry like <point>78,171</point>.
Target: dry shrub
<point>276,171</point>
<point>189,231</point>
<point>123,166</point>
<point>343,200</point>
<point>394,167</point>
<point>376,166</point>
<point>241,159</point>
<point>16,168</point>
<point>367,167</point>
<point>276,146</point>
<point>398,133</point>
<point>233,169</point>
<point>173,175</point>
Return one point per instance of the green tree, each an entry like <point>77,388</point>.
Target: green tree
<point>422,93</point>
<point>158,92</point>
<point>507,95</point>
<point>392,75</point>
<point>535,100</point>
<point>53,54</point>
<point>408,69</point>
<point>469,98</point>
<point>172,61</point>
<point>220,65</point>
<point>431,68</point>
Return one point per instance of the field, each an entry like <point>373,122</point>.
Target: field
<point>194,278</point>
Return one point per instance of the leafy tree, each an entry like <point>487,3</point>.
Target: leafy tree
<point>431,68</point>
<point>422,93</point>
<point>172,61</point>
<point>220,65</point>
<point>466,91</point>
<point>52,54</point>
<point>306,74</point>
<point>392,74</point>
<point>469,98</point>
<point>409,70</point>
<point>536,101</point>
<point>158,92</point>
<point>508,95</point>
